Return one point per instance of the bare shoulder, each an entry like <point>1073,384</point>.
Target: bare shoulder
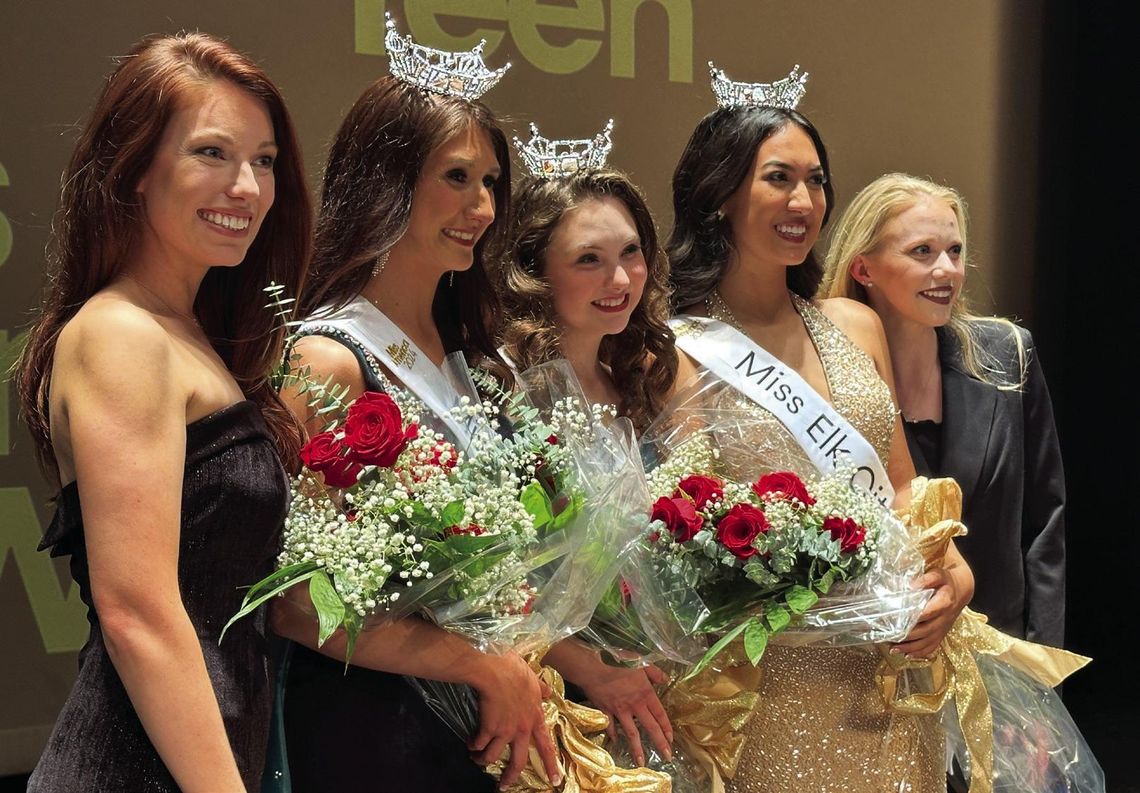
<point>859,323</point>
<point>114,344</point>
<point>327,358</point>
<point>850,316</point>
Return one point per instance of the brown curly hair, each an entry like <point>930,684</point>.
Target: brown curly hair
<point>642,358</point>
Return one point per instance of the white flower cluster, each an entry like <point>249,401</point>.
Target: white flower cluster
<point>375,539</point>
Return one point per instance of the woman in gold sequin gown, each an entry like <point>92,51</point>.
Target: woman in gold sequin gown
<point>751,193</point>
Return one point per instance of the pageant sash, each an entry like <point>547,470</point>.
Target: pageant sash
<point>438,389</point>
<point>825,436</point>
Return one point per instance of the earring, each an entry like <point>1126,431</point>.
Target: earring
<point>719,215</point>
<point>867,283</point>
<point>378,267</point>
<point>451,278</point>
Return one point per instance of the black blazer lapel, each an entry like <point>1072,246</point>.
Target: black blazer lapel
<point>968,410</point>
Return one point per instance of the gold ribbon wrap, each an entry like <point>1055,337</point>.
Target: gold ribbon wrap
<point>708,713</point>
<point>585,766</point>
<point>925,686</point>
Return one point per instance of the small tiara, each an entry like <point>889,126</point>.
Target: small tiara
<point>785,93</point>
<point>462,74</point>
<point>558,158</point>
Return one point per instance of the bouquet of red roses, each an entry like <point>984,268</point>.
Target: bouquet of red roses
<point>389,517</point>
<point>760,555</point>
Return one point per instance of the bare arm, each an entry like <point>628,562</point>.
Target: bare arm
<point>510,695</point>
<point>623,694</point>
<point>953,581</point>
<point>126,428</point>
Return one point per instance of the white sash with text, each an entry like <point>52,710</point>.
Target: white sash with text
<point>825,436</point>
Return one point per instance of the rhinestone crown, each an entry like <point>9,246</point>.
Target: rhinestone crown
<point>558,158</point>
<point>462,74</point>
<point>785,93</point>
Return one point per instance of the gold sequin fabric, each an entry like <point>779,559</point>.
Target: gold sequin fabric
<point>820,725</point>
<point>857,390</point>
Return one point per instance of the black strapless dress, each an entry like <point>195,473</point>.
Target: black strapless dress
<point>234,498</point>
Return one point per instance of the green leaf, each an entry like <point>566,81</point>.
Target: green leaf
<point>537,503</point>
<point>568,513</point>
<point>451,514</point>
<point>827,580</point>
<point>271,581</point>
<point>800,599</point>
<point>250,605</point>
<point>755,641</point>
<point>777,617</point>
<point>353,624</point>
<point>421,516</point>
<point>329,606</point>
<point>717,649</point>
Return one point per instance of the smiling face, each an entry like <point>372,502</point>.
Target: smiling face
<point>916,271</point>
<point>595,267</point>
<point>210,184</point>
<point>453,204</point>
<point>777,211</point>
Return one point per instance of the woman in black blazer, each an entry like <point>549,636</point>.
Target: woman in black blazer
<point>972,395</point>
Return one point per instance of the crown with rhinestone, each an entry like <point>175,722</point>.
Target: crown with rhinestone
<point>554,159</point>
<point>785,93</point>
<point>462,74</point>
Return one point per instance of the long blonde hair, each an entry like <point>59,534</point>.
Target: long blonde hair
<point>860,230</point>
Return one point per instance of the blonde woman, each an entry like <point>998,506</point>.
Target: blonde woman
<point>971,391</point>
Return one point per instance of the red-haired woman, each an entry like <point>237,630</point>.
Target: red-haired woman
<point>144,382</point>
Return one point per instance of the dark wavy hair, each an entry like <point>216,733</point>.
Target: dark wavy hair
<point>100,215</point>
<point>718,157</point>
<point>366,202</point>
<point>642,358</point>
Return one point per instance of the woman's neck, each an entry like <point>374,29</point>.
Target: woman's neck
<point>582,353</point>
<point>757,295</point>
<point>917,369</point>
<point>403,293</point>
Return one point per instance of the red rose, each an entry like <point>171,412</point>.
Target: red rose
<point>849,533</point>
<point>784,484</point>
<point>739,527</point>
<point>470,529</point>
<point>325,454</point>
<point>679,516</point>
<point>374,430</point>
<point>552,440</point>
<point>702,489</point>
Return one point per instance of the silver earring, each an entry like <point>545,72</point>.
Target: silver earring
<point>451,278</point>
<point>378,267</point>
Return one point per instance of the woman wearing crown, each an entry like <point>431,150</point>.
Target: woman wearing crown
<point>751,192</point>
<point>582,278</point>
<point>413,189</point>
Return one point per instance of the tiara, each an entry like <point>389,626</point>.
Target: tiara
<point>462,74</point>
<point>558,158</point>
<point>784,93</point>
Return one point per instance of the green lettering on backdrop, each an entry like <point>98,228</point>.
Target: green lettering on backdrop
<point>425,27</point>
<point>623,15</point>
<point>61,618</point>
<point>523,18</point>
<point>527,15</point>
<point>5,226</point>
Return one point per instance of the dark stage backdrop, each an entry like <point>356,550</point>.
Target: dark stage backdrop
<point>952,91</point>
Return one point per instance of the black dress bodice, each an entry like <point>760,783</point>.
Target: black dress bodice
<point>234,497</point>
